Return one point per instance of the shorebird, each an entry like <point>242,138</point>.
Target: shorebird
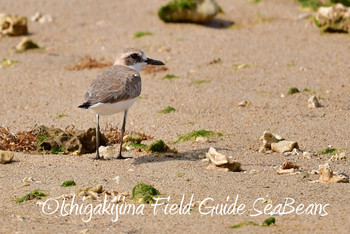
<point>116,89</point>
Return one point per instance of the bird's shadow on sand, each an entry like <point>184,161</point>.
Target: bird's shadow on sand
<point>219,23</point>
<point>191,155</point>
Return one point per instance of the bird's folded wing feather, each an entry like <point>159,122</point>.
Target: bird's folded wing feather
<point>116,83</point>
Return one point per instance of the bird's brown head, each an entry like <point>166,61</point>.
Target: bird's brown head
<point>135,59</point>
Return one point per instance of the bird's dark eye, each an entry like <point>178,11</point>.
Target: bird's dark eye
<point>134,56</point>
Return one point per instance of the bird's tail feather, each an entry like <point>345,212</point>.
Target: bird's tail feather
<point>85,105</point>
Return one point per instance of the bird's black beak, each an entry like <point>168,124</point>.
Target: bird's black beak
<point>153,62</point>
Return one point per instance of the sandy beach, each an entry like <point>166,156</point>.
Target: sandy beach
<point>259,53</point>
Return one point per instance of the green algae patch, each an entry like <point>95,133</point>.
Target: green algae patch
<point>328,150</point>
<point>68,183</point>
<point>143,193</point>
<point>195,134</point>
<point>242,66</point>
<point>170,77</point>
<point>7,63</point>
<point>172,11</point>
<point>35,194</point>
<point>293,90</point>
<point>134,145</point>
<point>195,11</point>
<point>269,222</point>
<point>158,147</point>
<point>245,223</point>
<point>315,4</point>
<point>198,82</point>
<point>59,116</point>
<point>57,150</point>
<point>142,34</point>
<point>167,110</point>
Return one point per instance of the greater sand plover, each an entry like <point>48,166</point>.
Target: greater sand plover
<point>117,88</point>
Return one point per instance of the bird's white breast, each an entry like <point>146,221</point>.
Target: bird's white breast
<point>112,108</point>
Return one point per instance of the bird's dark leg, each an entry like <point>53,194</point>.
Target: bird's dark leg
<point>97,137</point>
<point>123,130</point>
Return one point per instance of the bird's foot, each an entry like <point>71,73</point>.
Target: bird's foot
<point>121,157</point>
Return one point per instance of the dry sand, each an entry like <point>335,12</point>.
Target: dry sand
<point>285,51</point>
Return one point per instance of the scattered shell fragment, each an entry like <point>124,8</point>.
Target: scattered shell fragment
<point>108,151</point>
<point>244,103</point>
<point>268,138</point>
<point>26,44</point>
<point>196,11</point>
<point>38,17</point>
<point>221,162</point>
<point>117,179</point>
<point>287,168</point>
<point>313,102</point>
<point>201,139</point>
<point>64,196</point>
<point>13,25</point>
<point>338,157</point>
<point>307,155</point>
<point>294,152</point>
<point>289,165</point>
<point>284,146</point>
<point>285,171</point>
<point>28,179</point>
<point>6,156</point>
<point>328,176</point>
<point>335,18</point>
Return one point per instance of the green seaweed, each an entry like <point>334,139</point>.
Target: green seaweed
<point>167,110</point>
<point>245,223</point>
<point>143,193</point>
<point>242,66</point>
<point>194,134</point>
<point>61,116</point>
<point>180,174</point>
<point>269,222</point>
<point>57,150</point>
<point>315,4</point>
<point>7,63</point>
<point>142,34</point>
<point>293,90</point>
<point>68,183</point>
<point>137,145</point>
<point>35,194</point>
<point>42,138</point>
<point>198,82</point>
<point>328,150</point>
<point>312,4</point>
<point>166,13</point>
<point>158,146</point>
<point>170,76</point>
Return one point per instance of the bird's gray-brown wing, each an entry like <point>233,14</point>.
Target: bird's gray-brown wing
<point>116,83</point>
